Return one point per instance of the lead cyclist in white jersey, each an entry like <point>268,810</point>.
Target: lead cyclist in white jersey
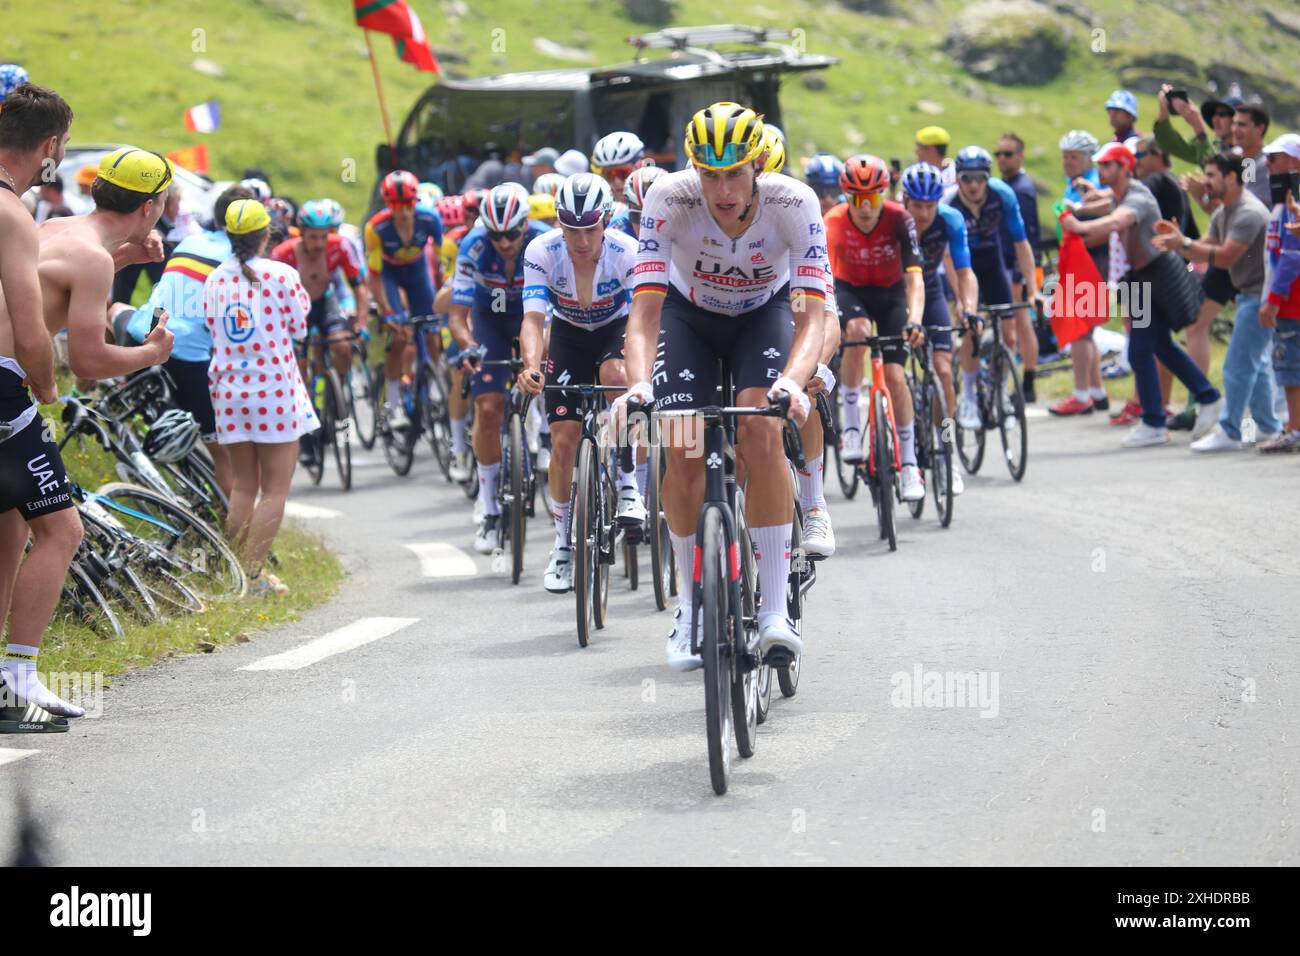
<point>581,273</point>
<point>730,266</point>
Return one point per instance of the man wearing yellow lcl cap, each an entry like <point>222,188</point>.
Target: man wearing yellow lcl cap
<point>932,147</point>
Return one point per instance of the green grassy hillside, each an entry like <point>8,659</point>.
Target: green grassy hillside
<point>297,95</point>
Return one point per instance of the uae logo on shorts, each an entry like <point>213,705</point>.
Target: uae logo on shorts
<point>238,322</point>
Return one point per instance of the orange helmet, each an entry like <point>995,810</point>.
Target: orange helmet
<point>400,188</point>
<point>864,174</point>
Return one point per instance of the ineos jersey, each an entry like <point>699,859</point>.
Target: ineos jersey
<point>877,258</point>
<point>549,279</point>
<point>682,245</point>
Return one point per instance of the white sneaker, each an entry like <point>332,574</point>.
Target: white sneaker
<point>679,653</point>
<point>1216,440</point>
<point>479,510</point>
<point>631,509</point>
<point>485,539</point>
<point>1143,435</point>
<point>1207,416</point>
<point>958,485</point>
<point>818,535</point>
<point>851,446</point>
<point>559,573</point>
<point>396,417</point>
<point>913,484</point>
<point>543,459</point>
<point>460,467</point>
<point>968,414</point>
<point>774,630</point>
<point>1262,437</point>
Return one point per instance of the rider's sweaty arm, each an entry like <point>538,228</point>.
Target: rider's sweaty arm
<point>642,335</point>
<point>530,340</point>
<point>89,353</point>
<point>459,325</point>
<point>19,250</point>
<point>1025,260</point>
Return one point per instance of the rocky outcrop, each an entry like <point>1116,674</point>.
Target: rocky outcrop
<point>1016,41</point>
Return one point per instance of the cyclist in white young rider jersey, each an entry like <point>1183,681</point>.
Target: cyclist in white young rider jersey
<point>581,273</point>
<point>731,266</point>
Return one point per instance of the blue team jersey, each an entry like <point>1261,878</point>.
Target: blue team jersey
<point>623,223</point>
<point>948,231</point>
<point>481,280</point>
<point>998,224</point>
<point>1073,194</point>
<point>180,292</point>
<point>385,247</point>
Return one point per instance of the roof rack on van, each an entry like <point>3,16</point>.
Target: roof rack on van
<point>700,40</point>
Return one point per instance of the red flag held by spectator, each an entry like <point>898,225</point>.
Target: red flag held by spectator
<point>397,19</point>
<point>1080,301</point>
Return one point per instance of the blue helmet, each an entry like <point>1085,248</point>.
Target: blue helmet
<point>1123,100</point>
<point>974,159</point>
<point>12,76</point>
<point>316,214</point>
<point>923,182</point>
<point>336,212</point>
<point>823,171</point>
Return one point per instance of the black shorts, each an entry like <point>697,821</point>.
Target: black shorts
<point>1217,285</point>
<point>32,478</point>
<point>575,356</point>
<point>325,317</point>
<point>693,340</point>
<point>937,316</point>
<point>192,394</point>
<point>886,306</point>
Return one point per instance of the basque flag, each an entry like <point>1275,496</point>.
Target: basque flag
<point>204,118</point>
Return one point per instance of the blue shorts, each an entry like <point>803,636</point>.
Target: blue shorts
<point>496,331</point>
<point>937,316</point>
<point>995,284</point>
<point>1286,353</point>
<point>415,281</point>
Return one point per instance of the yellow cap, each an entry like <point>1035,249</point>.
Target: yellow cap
<point>246,215</point>
<point>137,170</point>
<point>933,136</point>
<point>541,206</point>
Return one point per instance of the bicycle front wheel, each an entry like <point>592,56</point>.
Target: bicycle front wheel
<point>943,451</point>
<point>362,400</point>
<point>1012,425</point>
<point>886,475</point>
<point>586,554</point>
<point>715,647</point>
<point>518,518</point>
<point>969,441</point>
<point>924,435</point>
<point>661,546</point>
<point>340,432</point>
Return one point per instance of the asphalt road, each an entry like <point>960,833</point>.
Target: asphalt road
<point>1130,616</point>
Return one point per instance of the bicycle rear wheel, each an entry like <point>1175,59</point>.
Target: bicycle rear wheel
<point>362,397</point>
<point>969,441</point>
<point>1012,425</point>
<point>943,450</point>
<point>586,557</point>
<point>606,538</point>
<point>715,646</point>
<point>924,435</point>
<point>83,600</point>
<point>340,418</point>
<point>886,476</point>
<point>317,441</point>
<point>518,519</point>
<point>399,446</point>
<point>436,386</point>
<point>662,568</point>
<point>787,675</point>
<point>846,473</point>
<point>746,662</point>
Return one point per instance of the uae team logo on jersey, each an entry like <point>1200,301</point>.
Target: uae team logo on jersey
<point>238,322</point>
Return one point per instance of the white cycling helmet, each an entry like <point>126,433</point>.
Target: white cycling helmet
<point>549,183</point>
<point>617,149</point>
<point>583,201</point>
<point>261,191</point>
<point>1079,141</point>
<point>171,437</point>
<point>428,194</point>
<point>504,208</point>
<point>634,189</point>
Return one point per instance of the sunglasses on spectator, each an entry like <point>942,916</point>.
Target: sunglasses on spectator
<point>1140,154</point>
<point>973,177</point>
<point>866,199</point>
<point>1004,153</point>
<point>614,172</point>
<point>510,235</point>
<point>1224,114</point>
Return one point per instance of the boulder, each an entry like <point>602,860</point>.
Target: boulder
<point>1010,41</point>
<point>1284,20</point>
<point>654,12</point>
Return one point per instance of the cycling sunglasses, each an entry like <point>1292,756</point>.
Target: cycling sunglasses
<point>1004,153</point>
<point>510,235</point>
<point>614,172</point>
<point>585,221</point>
<point>973,177</point>
<point>866,199</point>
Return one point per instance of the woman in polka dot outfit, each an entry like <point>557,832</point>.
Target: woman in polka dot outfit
<point>255,309</point>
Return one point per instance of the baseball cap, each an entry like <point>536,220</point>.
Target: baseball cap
<point>138,170</point>
<point>1288,143</point>
<point>1209,107</point>
<point>1123,100</point>
<point>933,136</point>
<point>1116,153</point>
<point>86,174</point>
<point>543,157</point>
<point>571,163</point>
<point>246,215</point>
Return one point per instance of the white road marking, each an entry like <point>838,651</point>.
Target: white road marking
<point>9,755</point>
<point>441,560</point>
<point>346,638</point>
<point>296,509</point>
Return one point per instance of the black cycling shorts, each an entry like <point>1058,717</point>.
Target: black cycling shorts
<point>575,356</point>
<point>693,340</point>
<point>495,331</point>
<point>1217,284</point>
<point>937,316</point>
<point>325,317</point>
<point>32,478</point>
<point>192,394</point>
<point>886,306</point>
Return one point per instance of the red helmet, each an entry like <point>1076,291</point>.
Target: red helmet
<point>400,188</point>
<point>451,209</point>
<point>864,174</point>
<point>472,200</point>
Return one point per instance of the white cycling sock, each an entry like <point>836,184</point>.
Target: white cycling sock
<point>23,683</point>
<point>812,490</point>
<point>560,512</point>
<point>459,434</point>
<point>543,423</point>
<point>852,399</point>
<point>907,444</point>
<point>684,553</point>
<point>487,488</point>
<point>1097,393</point>
<point>393,391</point>
<point>642,473</point>
<point>968,385</point>
<point>772,547</point>
<point>1082,394</point>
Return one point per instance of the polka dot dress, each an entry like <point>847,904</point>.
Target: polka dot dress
<point>257,393</point>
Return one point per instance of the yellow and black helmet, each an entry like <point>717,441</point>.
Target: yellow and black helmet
<point>774,147</point>
<point>723,136</point>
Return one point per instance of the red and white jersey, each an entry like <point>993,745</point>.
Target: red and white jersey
<point>682,245</point>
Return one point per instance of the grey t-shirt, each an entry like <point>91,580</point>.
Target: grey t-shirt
<point>1245,221</point>
<point>1258,184</point>
<point>1137,238</point>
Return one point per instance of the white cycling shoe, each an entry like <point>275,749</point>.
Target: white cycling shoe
<point>460,467</point>
<point>968,414</point>
<point>913,484</point>
<point>395,415</point>
<point>559,573</point>
<point>679,653</point>
<point>485,539</point>
<point>775,630</point>
<point>851,446</point>
<point>818,535</point>
<point>631,509</point>
<point>958,485</point>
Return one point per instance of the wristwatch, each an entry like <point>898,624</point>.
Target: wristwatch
<point>1187,243</point>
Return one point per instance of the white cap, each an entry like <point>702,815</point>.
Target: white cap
<point>1288,143</point>
<point>571,162</point>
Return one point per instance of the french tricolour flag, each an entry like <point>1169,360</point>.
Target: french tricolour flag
<point>203,118</point>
